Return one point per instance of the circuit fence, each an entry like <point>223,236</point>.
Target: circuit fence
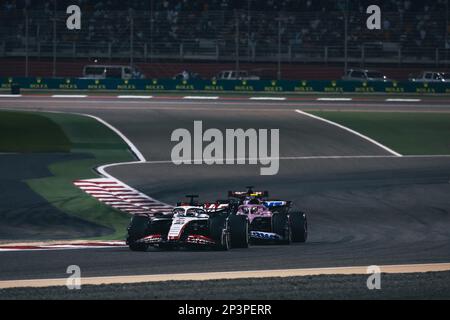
<point>230,36</point>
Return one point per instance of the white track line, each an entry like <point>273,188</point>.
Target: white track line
<point>351,131</point>
<point>302,158</point>
<point>102,169</point>
<point>130,144</point>
<point>133,148</point>
<point>256,274</point>
<point>137,104</point>
<point>63,247</point>
<point>403,100</point>
<point>60,245</point>
<point>134,97</point>
<point>10,95</point>
<point>69,96</point>
<point>200,98</point>
<point>334,99</point>
<point>267,98</point>
<point>277,158</point>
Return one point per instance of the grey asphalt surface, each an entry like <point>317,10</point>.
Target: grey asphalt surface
<point>361,211</point>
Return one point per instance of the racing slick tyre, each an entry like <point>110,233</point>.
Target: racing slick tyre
<point>138,246</point>
<point>138,229</point>
<point>281,226</point>
<point>166,247</point>
<point>299,226</point>
<point>238,231</point>
<point>219,233</point>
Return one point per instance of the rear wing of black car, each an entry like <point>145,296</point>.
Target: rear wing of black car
<point>246,194</point>
<point>192,202</point>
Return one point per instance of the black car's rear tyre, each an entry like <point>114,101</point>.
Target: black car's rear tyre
<point>134,246</point>
<point>138,229</point>
<point>299,226</point>
<point>226,243</point>
<point>219,233</point>
<point>223,244</point>
<point>239,234</point>
<point>281,226</point>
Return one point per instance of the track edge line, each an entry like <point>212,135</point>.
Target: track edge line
<point>378,144</point>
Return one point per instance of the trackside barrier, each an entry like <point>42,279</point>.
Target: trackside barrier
<point>288,86</point>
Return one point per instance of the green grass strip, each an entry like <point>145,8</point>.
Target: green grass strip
<point>88,136</point>
<point>417,133</point>
<point>26,133</point>
<point>57,132</point>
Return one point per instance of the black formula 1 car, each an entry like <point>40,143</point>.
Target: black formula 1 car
<point>190,224</point>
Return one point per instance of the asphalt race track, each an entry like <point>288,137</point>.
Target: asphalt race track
<point>365,205</point>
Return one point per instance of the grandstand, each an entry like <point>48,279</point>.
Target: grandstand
<point>251,34</point>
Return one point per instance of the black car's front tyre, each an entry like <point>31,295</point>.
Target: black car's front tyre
<point>239,231</point>
<point>138,229</point>
<point>135,246</point>
<point>299,226</point>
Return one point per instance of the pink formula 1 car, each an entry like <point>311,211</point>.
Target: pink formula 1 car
<point>271,220</point>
